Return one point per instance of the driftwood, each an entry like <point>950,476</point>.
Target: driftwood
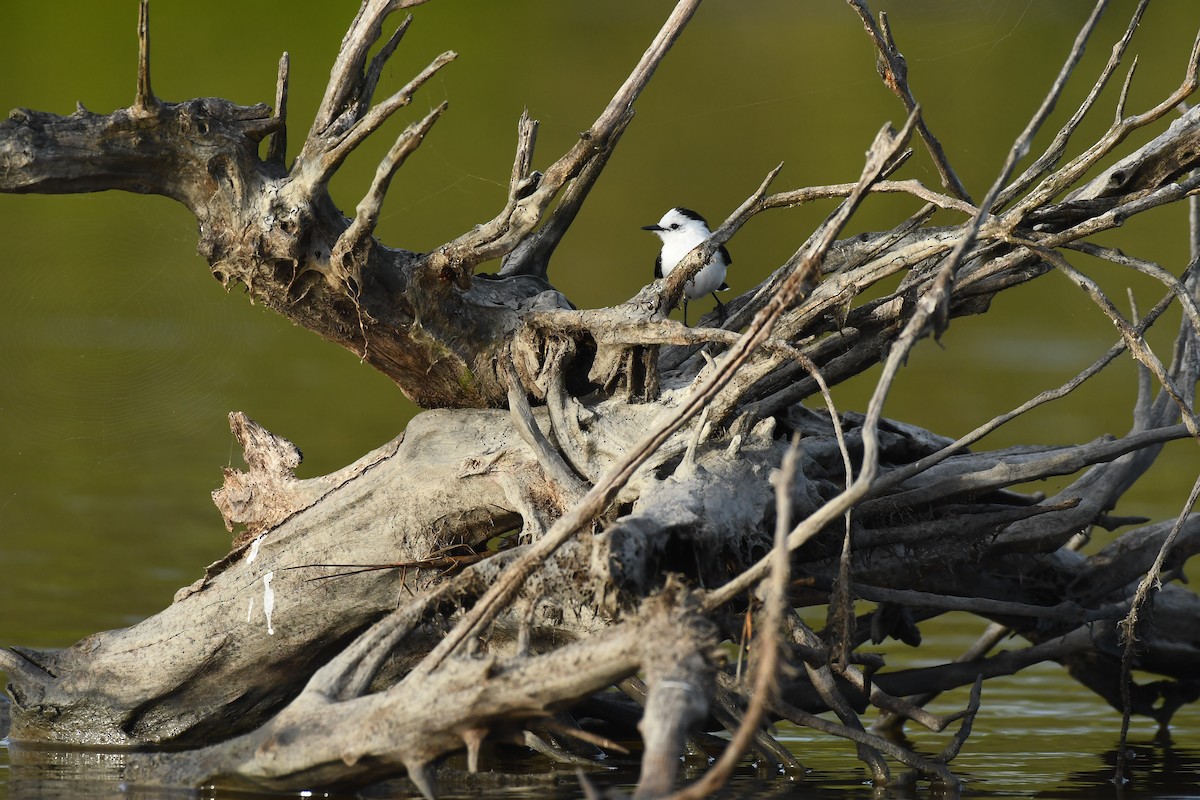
<point>597,495</point>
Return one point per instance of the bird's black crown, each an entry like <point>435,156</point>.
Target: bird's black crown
<point>687,212</point>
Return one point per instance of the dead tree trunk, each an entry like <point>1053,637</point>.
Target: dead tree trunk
<point>595,494</point>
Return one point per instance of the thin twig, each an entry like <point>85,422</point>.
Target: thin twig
<point>144,101</point>
<point>1068,175</point>
<point>909,758</point>
<point>1177,287</point>
<point>1137,344</point>
<point>277,148</point>
<point>1057,147</point>
<point>317,171</point>
<point>894,71</point>
<point>349,250</point>
<point>378,62</point>
<point>348,70</point>
<point>522,214</point>
<point>532,256</point>
<point>1129,626</point>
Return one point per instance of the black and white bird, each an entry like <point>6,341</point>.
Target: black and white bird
<point>681,229</point>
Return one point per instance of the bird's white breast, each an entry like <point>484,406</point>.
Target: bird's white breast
<point>709,278</point>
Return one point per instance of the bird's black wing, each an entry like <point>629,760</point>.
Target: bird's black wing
<point>725,253</point>
<point>658,266</point>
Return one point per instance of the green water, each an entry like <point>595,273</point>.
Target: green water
<point>121,356</point>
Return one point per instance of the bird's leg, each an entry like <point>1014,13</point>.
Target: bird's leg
<point>720,307</point>
<point>685,322</point>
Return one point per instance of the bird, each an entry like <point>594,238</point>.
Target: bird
<point>680,230</point>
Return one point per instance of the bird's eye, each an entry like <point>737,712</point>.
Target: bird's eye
<point>675,226</point>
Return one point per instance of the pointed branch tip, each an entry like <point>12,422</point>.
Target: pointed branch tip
<point>277,149</point>
<point>145,99</point>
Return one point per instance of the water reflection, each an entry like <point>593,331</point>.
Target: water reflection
<point>1158,771</point>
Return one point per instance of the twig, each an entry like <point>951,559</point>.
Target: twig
<point>350,248</point>
<point>1057,147</point>
<point>897,476</point>
<point>989,471</point>
<point>527,129</point>
<point>144,101</point>
<point>1066,611</point>
<point>317,170</point>
<point>1073,171</point>
<point>374,70</point>
<point>1136,343</point>
<point>1176,286</point>
<point>532,255</point>
<point>796,197</point>
<point>524,210</point>
<point>1128,626</point>
<point>821,677</point>
<point>876,742</point>
<point>277,148</point>
<point>556,754</point>
<point>960,736</point>
<point>346,77</point>
<point>894,71</point>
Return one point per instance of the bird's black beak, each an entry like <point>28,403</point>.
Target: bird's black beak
<point>653,228</point>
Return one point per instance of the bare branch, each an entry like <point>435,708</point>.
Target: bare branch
<point>144,101</point>
<point>348,254</point>
<point>520,182</point>
<point>499,236</point>
<point>378,62</point>
<point>532,256</point>
<point>1057,147</point>
<point>277,149</point>
<point>315,169</point>
<point>899,475</point>
<point>1136,344</point>
<point>894,71</point>
<point>346,77</point>
<point>1113,180</point>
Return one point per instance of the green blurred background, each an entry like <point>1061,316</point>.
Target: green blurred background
<point>121,355</point>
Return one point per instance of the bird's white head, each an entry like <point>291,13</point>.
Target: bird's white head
<point>680,225</point>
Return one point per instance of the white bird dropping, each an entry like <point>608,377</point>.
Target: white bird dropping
<point>680,230</point>
<point>268,599</point>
